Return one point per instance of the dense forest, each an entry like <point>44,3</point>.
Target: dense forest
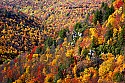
<point>32,50</point>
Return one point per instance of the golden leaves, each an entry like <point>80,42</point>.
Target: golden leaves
<point>93,32</point>
<point>49,78</point>
<point>110,67</point>
<point>69,53</point>
<point>120,59</point>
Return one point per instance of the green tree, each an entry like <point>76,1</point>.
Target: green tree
<point>77,27</point>
<point>93,44</point>
<point>109,32</point>
<point>107,12</point>
<point>112,1</point>
<point>62,33</point>
<point>85,52</point>
<point>118,77</point>
<point>96,16</point>
<point>60,73</point>
<point>48,42</point>
<point>39,50</point>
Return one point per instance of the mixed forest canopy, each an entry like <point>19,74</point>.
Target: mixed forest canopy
<point>36,50</point>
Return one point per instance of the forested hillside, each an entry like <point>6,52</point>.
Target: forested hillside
<point>92,51</point>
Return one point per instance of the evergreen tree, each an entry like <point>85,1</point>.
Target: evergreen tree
<point>48,42</point>
<point>77,27</point>
<point>62,33</point>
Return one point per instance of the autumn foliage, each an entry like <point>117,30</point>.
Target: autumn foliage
<point>88,53</point>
